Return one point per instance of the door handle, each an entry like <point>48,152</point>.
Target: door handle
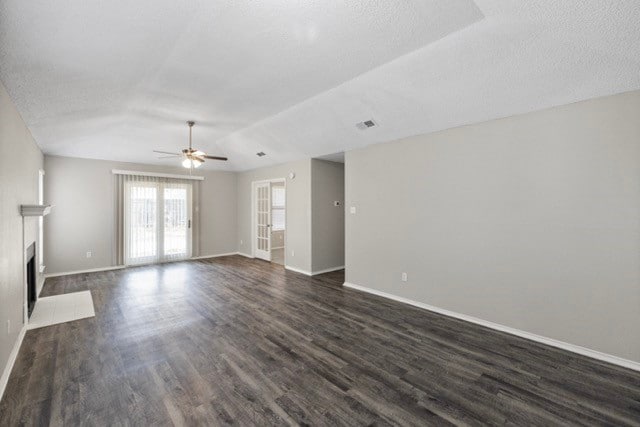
<point>189,224</point>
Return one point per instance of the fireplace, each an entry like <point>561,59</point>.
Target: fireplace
<point>31,278</point>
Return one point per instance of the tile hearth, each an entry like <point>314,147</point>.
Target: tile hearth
<point>61,308</point>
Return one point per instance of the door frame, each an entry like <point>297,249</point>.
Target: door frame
<point>160,215</point>
<point>254,194</point>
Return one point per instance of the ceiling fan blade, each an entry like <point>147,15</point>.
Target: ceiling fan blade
<point>171,156</point>
<point>215,158</point>
<point>166,152</point>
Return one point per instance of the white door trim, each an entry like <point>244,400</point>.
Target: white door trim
<point>254,185</point>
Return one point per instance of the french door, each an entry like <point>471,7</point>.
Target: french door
<point>263,221</point>
<point>157,224</point>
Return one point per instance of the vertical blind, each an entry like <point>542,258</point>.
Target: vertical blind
<point>156,219</point>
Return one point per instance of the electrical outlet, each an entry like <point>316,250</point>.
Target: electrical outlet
<point>88,254</point>
<point>241,242</point>
<point>352,209</point>
<point>8,326</point>
<point>293,253</point>
<point>404,277</point>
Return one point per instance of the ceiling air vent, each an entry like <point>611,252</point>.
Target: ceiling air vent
<point>260,154</point>
<point>366,124</point>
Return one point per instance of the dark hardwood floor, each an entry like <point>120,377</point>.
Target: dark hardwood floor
<point>238,341</point>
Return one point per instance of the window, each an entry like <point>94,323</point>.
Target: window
<point>277,208</point>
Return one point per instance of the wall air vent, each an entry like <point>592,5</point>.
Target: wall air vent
<point>260,154</point>
<point>366,124</point>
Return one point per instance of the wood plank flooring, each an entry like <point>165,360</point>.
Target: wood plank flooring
<point>238,341</point>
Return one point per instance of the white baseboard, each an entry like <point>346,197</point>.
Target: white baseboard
<point>327,270</point>
<point>313,273</point>
<point>4,379</point>
<point>594,354</point>
<point>277,247</point>
<point>245,255</point>
<point>298,270</point>
<point>215,256</point>
<point>91,270</point>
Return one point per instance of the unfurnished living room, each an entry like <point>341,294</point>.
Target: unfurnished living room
<point>402,212</point>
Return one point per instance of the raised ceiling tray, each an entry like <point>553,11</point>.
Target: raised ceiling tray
<point>35,210</point>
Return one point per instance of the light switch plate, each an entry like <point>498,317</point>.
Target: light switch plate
<point>352,209</point>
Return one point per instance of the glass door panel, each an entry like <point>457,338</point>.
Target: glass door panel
<point>142,224</point>
<point>263,219</point>
<point>177,223</point>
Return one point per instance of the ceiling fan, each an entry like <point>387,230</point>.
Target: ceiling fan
<point>192,158</point>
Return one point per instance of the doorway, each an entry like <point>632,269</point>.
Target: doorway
<point>278,222</point>
<point>157,222</point>
<point>269,220</point>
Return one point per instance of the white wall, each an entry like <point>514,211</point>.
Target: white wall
<point>532,221</point>
<point>20,161</point>
<point>327,220</point>
<point>83,217</point>
<point>298,210</point>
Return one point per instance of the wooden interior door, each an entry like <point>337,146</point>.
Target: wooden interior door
<point>263,221</point>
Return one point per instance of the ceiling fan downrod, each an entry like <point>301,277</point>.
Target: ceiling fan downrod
<point>190,123</point>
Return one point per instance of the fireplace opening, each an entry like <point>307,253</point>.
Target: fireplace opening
<point>31,278</point>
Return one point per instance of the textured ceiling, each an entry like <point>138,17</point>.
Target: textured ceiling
<point>115,80</point>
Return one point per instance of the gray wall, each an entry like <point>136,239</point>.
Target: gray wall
<point>298,210</point>
<point>20,161</point>
<point>83,217</point>
<point>327,220</point>
<point>532,221</point>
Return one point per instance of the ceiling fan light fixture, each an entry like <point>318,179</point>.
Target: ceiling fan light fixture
<point>190,162</point>
<point>191,157</point>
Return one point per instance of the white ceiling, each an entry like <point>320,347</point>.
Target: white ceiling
<point>115,80</point>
